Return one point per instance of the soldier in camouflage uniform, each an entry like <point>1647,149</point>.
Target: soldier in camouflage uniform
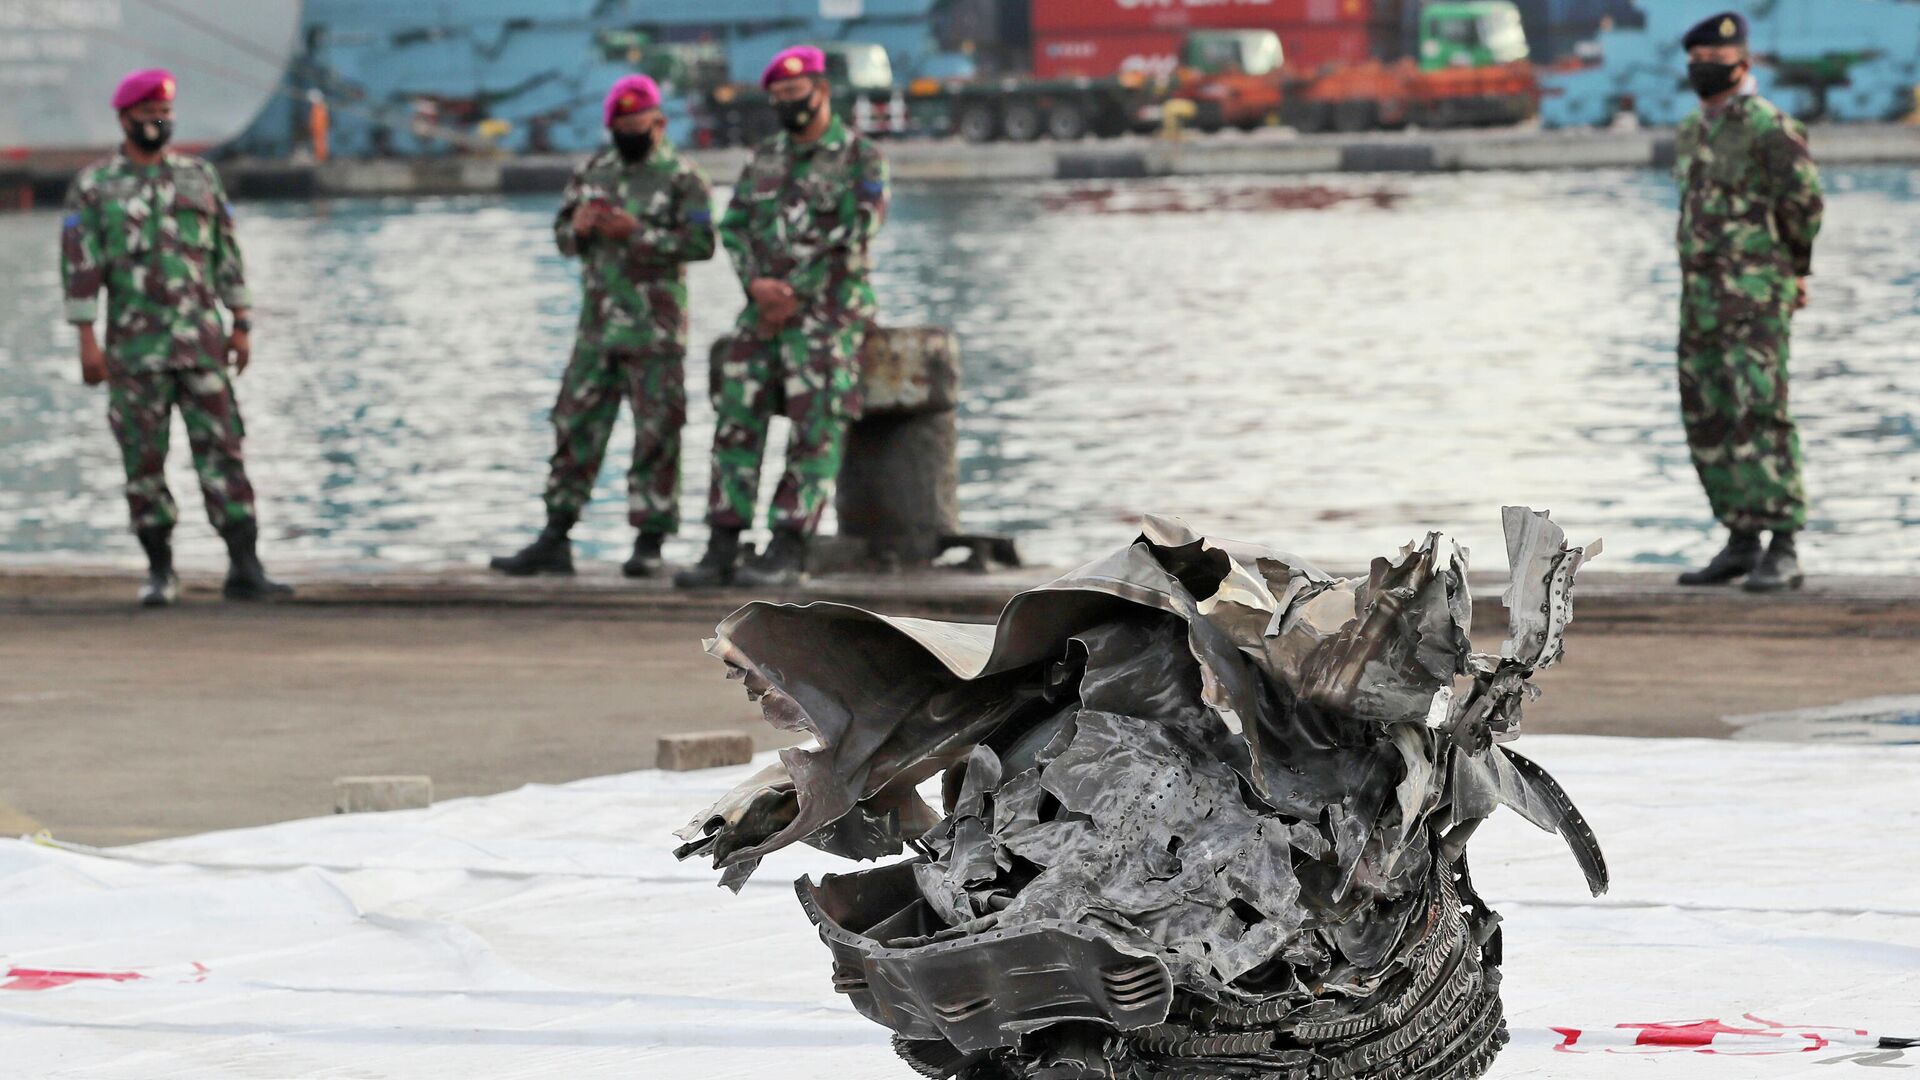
<point>798,228</point>
<point>1750,208</point>
<point>153,228</point>
<point>635,214</point>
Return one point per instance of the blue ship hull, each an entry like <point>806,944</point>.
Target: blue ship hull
<point>409,79</point>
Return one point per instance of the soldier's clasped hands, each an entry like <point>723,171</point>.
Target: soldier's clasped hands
<point>617,224</point>
<point>776,302</point>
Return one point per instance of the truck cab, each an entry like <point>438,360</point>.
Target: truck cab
<point>857,66</point>
<point>1254,53</point>
<point>1231,77</point>
<point>1471,34</point>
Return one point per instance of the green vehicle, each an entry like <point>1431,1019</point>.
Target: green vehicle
<point>1471,34</point>
<point>1235,52</point>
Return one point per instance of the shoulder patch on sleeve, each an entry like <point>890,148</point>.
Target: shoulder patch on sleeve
<point>872,187</point>
<point>701,217</point>
<point>71,221</point>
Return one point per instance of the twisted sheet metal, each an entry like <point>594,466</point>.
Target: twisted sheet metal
<point>1204,810</point>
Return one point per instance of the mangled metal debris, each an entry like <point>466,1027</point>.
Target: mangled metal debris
<point>1204,810</point>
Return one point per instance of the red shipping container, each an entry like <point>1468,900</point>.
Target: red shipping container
<point>1308,48</point>
<point>1139,16</point>
<point>1097,55</point>
<point>1100,56</point>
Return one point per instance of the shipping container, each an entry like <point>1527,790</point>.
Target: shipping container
<point>1308,47</point>
<point>1099,56</point>
<point>1051,17</point>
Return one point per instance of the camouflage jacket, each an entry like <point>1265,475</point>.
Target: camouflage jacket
<point>1749,192</point>
<point>634,292</point>
<point>159,238</point>
<point>805,214</point>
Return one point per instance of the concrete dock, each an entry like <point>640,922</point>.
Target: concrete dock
<point>215,715</point>
<point>1273,152</point>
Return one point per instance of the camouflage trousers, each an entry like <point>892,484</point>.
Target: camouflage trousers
<point>808,373</point>
<point>1735,329</point>
<point>140,409</point>
<point>597,380</point>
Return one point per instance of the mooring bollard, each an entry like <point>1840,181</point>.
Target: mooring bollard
<point>899,488</point>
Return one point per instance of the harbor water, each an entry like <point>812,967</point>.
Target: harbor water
<point>1331,365</point>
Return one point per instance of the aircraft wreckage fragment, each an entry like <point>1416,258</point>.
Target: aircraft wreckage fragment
<point>1204,810</point>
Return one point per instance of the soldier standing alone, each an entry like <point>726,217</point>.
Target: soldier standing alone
<point>1750,208</point>
<point>797,229</point>
<point>635,213</point>
<point>153,228</point>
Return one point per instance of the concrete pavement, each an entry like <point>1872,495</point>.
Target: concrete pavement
<point>123,725</point>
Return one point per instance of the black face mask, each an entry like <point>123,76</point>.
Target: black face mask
<point>795,115</point>
<point>1709,78</point>
<point>633,145</point>
<point>149,135</point>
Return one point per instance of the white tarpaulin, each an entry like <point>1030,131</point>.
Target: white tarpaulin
<point>1764,922</point>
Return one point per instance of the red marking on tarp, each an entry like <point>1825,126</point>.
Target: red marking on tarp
<point>19,978</point>
<point>36,979</point>
<point>1705,1037</point>
<point>1699,1035</point>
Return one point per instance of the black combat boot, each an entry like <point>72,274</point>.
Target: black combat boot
<point>716,568</point>
<point>246,578</point>
<point>1779,568</point>
<point>645,560</point>
<point>782,566</point>
<point>1736,560</point>
<point>163,586</point>
<point>550,553</point>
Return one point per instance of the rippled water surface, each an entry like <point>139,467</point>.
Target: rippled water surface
<point>1331,366</point>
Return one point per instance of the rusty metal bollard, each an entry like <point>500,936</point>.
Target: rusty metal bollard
<point>899,488</point>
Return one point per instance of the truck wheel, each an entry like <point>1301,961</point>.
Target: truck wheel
<point>976,122</point>
<point>1108,123</point>
<point>1066,121</point>
<point>1020,121</point>
<point>1351,116</point>
<point>1310,117</point>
